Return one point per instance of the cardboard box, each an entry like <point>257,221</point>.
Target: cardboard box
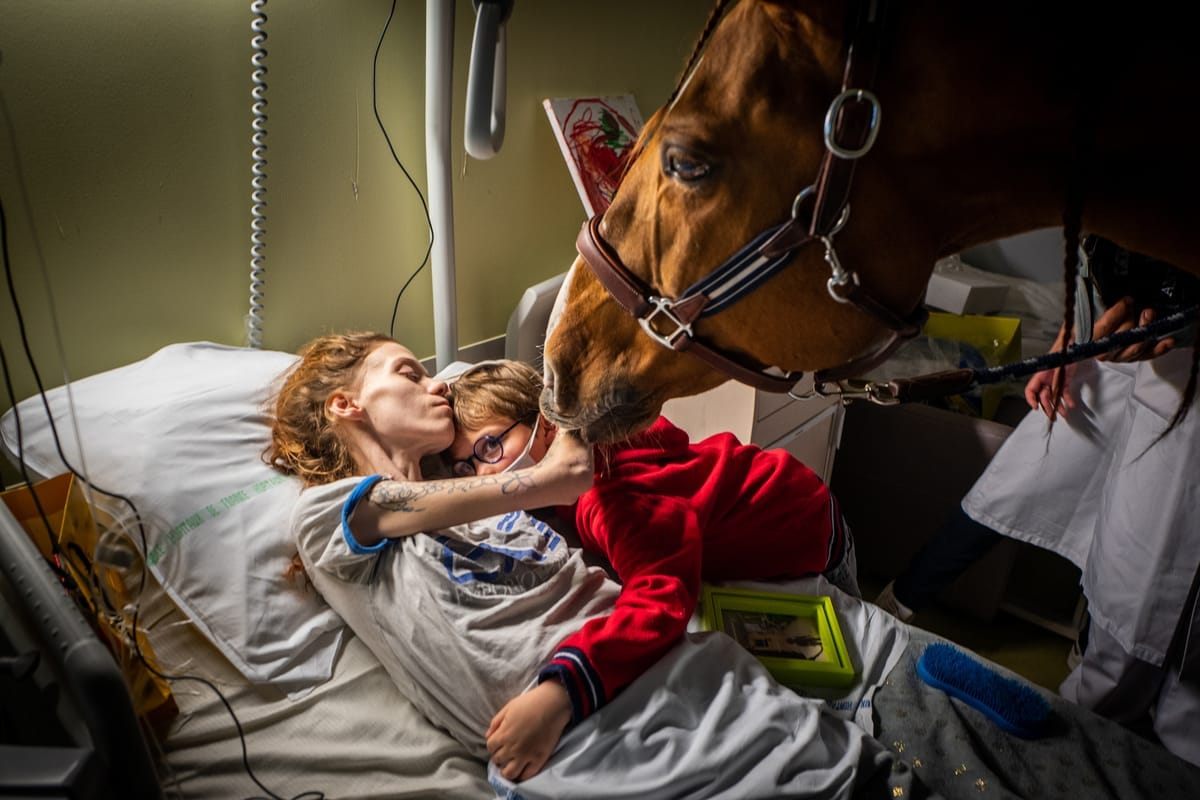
<point>998,339</point>
<point>67,536</point>
<point>965,293</point>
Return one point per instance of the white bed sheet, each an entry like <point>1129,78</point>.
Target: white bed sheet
<point>356,736</point>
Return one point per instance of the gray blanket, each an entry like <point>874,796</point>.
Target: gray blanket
<point>959,753</point>
<point>708,722</point>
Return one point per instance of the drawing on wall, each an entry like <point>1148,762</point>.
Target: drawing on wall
<point>595,134</point>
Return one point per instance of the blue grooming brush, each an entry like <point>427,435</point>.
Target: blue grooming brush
<point>1012,705</point>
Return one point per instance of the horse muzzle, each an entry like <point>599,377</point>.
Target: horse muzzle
<point>617,411</point>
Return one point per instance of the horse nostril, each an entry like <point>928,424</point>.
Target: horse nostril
<point>546,401</point>
<point>622,395</point>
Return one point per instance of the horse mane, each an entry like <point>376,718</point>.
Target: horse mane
<point>1089,97</point>
<point>652,125</point>
<point>710,25</point>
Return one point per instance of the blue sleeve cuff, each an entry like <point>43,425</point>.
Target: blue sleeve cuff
<point>360,491</point>
<point>571,667</point>
<point>557,672</point>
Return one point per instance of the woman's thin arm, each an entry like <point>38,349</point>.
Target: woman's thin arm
<point>402,508</point>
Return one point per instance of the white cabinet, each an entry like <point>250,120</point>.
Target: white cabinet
<point>809,429</point>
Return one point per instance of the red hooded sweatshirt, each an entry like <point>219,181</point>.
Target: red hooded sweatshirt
<point>669,513</point>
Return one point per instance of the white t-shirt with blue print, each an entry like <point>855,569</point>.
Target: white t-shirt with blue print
<point>462,618</point>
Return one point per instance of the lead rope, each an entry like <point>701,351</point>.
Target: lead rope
<point>956,381</point>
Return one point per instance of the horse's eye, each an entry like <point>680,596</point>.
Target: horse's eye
<point>679,163</point>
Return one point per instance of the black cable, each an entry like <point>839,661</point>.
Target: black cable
<point>56,549</point>
<point>399,163</point>
<point>4,255</point>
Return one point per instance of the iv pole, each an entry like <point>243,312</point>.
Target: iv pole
<point>484,135</point>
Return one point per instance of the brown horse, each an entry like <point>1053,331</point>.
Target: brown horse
<point>863,145</point>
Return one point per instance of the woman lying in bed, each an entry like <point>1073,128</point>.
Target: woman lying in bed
<point>463,614</point>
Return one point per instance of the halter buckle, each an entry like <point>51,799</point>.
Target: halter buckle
<point>664,307</point>
<point>808,192</point>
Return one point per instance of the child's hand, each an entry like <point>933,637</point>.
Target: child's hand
<point>525,732</point>
<point>569,461</point>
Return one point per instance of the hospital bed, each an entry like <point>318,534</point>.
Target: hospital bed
<point>180,434</point>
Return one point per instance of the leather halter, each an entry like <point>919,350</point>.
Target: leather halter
<point>851,124</point>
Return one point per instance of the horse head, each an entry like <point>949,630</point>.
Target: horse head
<point>743,149</point>
<point>720,164</point>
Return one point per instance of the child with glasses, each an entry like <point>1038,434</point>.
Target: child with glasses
<point>667,513</point>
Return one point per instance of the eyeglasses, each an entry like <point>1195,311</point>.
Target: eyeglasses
<point>488,449</point>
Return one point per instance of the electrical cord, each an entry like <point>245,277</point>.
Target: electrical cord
<point>56,562</point>
<point>131,635</point>
<point>258,167</point>
<point>399,163</point>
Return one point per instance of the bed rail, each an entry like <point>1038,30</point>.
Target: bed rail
<point>103,752</point>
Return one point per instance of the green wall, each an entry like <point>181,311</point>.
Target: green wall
<point>127,193</point>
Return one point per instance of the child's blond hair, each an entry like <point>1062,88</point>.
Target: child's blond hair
<point>494,389</point>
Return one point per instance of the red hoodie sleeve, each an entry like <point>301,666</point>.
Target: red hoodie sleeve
<point>653,543</point>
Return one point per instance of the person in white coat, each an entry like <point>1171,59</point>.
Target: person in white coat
<point>1102,489</point>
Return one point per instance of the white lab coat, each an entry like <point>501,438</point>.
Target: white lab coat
<point>1095,491</point>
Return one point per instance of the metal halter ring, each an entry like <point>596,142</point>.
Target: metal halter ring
<point>858,96</point>
<point>807,192</point>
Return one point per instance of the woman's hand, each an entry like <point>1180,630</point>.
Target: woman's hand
<point>525,732</point>
<point>568,466</point>
<point>1122,317</point>
<point>1041,388</point>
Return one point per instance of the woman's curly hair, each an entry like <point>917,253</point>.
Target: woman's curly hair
<point>304,438</point>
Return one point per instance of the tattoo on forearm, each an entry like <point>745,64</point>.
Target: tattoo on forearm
<point>407,495</point>
<point>396,496</point>
<point>517,483</point>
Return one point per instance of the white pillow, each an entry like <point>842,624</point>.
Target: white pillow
<point>181,433</point>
